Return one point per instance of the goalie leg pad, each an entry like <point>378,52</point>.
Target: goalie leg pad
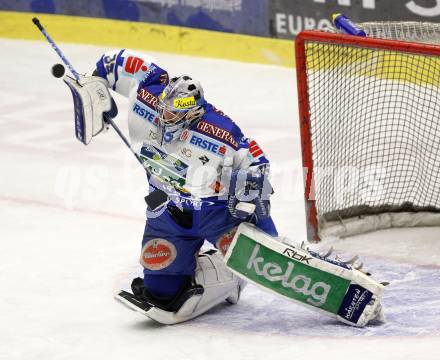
<point>333,287</point>
<point>213,283</point>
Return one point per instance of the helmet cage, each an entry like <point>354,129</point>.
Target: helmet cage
<point>180,104</point>
<point>169,115</point>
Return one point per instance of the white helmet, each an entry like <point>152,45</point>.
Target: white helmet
<point>180,104</point>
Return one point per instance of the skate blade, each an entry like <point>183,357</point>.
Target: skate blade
<point>131,302</point>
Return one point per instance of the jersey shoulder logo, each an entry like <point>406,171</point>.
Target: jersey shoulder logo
<point>134,64</point>
<point>135,67</point>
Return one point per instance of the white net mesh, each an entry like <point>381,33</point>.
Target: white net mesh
<point>374,127</point>
<point>413,31</point>
<point>422,32</point>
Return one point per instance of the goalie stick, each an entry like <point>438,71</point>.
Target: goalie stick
<point>107,118</point>
<point>156,198</point>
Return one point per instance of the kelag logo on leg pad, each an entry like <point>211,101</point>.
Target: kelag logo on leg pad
<point>315,293</point>
<point>287,276</point>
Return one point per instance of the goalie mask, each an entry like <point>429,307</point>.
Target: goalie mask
<point>180,104</point>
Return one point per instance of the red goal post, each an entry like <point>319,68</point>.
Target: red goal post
<point>369,113</point>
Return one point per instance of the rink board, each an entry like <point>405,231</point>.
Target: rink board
<point>150,37</point>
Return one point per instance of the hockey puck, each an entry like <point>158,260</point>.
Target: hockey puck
<point>58,70</point>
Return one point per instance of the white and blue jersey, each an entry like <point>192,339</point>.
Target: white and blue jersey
<point>194,164</point>
<point>190,169</point>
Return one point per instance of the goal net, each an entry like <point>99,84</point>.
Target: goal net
<point>370,128</point>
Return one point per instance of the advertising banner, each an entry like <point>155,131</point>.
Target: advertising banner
<point>268,18</point>
<point>289,17</point>
<point>233,16</point>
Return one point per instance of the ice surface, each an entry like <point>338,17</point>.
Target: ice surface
<point>72,219</point>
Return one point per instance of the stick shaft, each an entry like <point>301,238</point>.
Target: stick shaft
<point>107,119</point>
<point>55,47</point>
<point>110,121</point>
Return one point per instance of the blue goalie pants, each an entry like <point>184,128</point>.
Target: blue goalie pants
<point>173,238</point>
